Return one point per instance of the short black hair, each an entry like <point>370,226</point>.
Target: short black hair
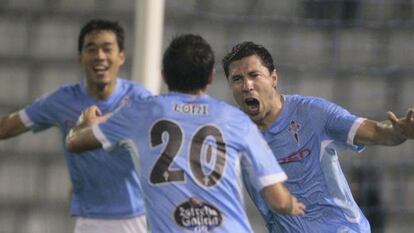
<point>102,25</point>
<point>246,49</point>
<point>187,63</point>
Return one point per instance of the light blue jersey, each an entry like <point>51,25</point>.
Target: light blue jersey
<point>305,139</point>
<point>190,153</point>
<point>105,185</point>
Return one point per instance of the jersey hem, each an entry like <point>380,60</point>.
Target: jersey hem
<point>98,216</point>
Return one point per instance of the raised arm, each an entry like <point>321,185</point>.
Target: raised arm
<point>391,132</point>
<point>280,200</point>
<point>11,126</point>
<point>81,137</point>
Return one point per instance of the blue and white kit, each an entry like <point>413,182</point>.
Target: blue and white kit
<point>105,185</point>
<point>190,154</point>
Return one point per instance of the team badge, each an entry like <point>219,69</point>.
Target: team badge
<point>294,128</point>
<point>125,101</point>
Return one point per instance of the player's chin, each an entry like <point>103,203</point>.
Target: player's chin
<point>254,115</point>
<point>252,111</point>
<point>102,79</point>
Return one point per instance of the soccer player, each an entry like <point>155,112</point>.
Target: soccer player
<point>106,194</point>
<point>190,149</point>
<point>305,134</point>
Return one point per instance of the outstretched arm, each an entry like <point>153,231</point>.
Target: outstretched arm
<point>11,126</point>
<point>81,137</point>
<point>280,200</point>
<point>391,132</point>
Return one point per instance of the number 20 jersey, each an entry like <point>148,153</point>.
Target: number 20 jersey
<point>190,152</point>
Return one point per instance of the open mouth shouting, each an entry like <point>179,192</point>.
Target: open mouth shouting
<point>252,106</point>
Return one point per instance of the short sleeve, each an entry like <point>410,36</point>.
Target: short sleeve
<point>259,162</point>
<point>341,125</point>
<point>40,115</point>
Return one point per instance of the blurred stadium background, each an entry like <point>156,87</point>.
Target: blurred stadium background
<point>357,53</point>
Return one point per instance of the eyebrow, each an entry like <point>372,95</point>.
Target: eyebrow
<point>253,72</point>
<point>235,75</point>
<point>90,44</point>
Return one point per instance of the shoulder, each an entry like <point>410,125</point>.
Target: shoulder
<point>64,91</point>
<point>152,100</point>
<point>308,108</point>
<point>303,99</point>
<point>229,110</point>
<point>230,114</point>
<point>134,87</point>
<point>308,102</point>
<point>69,88</point>
<point>145,102</point>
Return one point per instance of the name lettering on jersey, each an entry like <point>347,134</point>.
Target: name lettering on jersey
<point>294,128</point>
<point>295,157</point>
<point>197,216</point>
<point>193,109</point>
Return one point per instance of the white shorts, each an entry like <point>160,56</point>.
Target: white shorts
<point>128,225</point>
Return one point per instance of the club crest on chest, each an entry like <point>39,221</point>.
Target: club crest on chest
<point>294,128</point>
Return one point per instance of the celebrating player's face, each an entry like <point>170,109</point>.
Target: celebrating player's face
<point>253,87</point>
<point>101,57</point>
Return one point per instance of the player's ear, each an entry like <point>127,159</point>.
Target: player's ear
<point>122,57</point>
<point>274,78</point>
<point>211,76</point>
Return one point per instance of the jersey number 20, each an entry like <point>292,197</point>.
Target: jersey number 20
<point>207,140</point>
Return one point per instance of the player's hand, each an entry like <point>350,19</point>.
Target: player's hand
<point>298,208</point>
<point>404,126</point>
<point>92,115</point>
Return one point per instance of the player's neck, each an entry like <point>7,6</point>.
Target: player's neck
<point>198,92</point>
<point>100,91</point>
<point>273,114</point>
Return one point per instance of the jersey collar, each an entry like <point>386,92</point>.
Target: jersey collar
<point>280,121</point>
<point>110,98</point>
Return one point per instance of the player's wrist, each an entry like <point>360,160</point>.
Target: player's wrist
<point>399,135</point>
